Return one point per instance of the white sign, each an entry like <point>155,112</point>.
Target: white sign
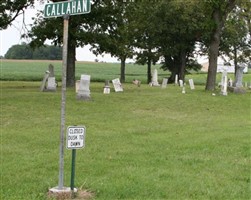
<point>75,138</point>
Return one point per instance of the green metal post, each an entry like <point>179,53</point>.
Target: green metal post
<point>73,169</point>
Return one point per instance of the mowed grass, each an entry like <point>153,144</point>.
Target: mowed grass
<point>144,143</point>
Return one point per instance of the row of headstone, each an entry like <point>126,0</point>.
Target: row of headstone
<point>49,80</point>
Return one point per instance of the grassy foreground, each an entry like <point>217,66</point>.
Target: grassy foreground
<point>144,143</point>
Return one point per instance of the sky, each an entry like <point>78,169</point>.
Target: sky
<point>12,36</point>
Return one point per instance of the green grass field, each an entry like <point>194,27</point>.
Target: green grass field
<point>144,143</point>
<point>30,70</point>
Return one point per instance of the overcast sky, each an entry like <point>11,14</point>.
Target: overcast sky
<point>11,36</point>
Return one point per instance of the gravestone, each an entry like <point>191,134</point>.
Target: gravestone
<point>84,88</point>
<point>155,78</point>
<point>107,87</point>
<point>183,90</point>
<point>191,84</point>
<point>164,82</point>
<point>136,82</point>
<point>49,80</point>
<point>237,85</point>
<point>51,84</point>
<point>176,79</point>
<point>224,83</point>
<point>51,70</point>
<point>117,85</point>
<point>181,83</point>
<point>239,76</point>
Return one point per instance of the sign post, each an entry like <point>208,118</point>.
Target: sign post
<point>75,139</point>
<point>65,9</point>
<point>63,102</point>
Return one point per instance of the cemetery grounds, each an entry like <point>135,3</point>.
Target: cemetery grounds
<point>143,143</point>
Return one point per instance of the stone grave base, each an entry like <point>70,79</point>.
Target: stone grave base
<point>83,97</point>
<point>237,90</point>
<point>64,193</point>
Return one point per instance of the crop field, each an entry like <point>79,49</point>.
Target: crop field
<point>142,143</point>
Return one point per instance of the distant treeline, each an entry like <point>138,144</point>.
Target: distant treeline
<point>24,51</point>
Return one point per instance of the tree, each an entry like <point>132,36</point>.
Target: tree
<point>10,10</point>
<point>144,36</point>
<point>236,38</point>
<point>112,32</point>
<point>218,11</point>
<point>176,38</point>
<point>24,51</point>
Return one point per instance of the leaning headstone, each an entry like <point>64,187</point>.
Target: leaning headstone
<point>224,83</point>
<point>43,85</point>
<point>84,88</point>
<point>164,82</point>
<point>155,78</point>
<point>191,84</point>
<point>117,85</point>
<point>51,84</point>
<point>181,83</point>
<point>107,87</point>
<point>176,79</point>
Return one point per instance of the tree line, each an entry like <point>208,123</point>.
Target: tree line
<point>24,51</point>
<point>172,31</point>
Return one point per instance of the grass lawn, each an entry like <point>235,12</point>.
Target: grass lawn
<point>144,143</point>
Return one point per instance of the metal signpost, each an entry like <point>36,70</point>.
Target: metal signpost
<point>75,139</point>
<point>65,9</point>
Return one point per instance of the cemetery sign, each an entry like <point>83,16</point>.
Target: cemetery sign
<point>73,7</point>
<point>75,138</point>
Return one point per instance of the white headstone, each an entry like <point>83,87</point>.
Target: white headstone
<point>176,79</point>
<point>51,84</point>
<point>164,82</point>
<point>181,83</point>
<point>191,83</point>
<point>107,87</point>
<point>84,88</point>
<point>117,85</point>
<point>224,83</point>
<point>183,90</point>
<point>155,78</point>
